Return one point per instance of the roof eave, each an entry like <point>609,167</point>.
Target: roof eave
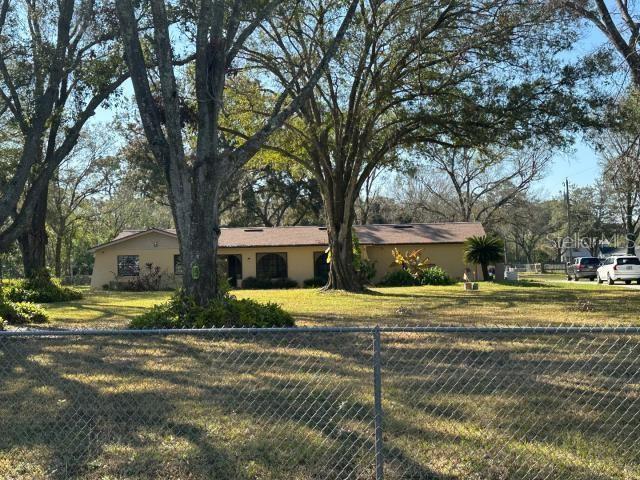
<point>131,237</point>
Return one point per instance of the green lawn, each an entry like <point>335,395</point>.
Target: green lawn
<point>535,302</point>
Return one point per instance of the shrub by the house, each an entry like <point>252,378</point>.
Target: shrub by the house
<point>366,270</point>
<point>434,276</point>
<point>414,270</point>
<point>253,283</point>
<point>182,312</point>
<point>315,282</point>
<point>150,279</point>
<point>40,289</point>
<point>18,312</point>
<point>411,261</point>
<point>399,278</point>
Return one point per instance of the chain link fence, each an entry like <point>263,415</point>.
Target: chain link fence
<point>339,403</point>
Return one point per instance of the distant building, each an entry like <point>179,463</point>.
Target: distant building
<point>577,252</point>
<point>604,251</point>
<point>607,251</point>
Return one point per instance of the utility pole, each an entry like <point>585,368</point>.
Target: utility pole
<point>505,250</point>
<point>568,201</point>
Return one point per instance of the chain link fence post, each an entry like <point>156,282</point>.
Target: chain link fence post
<point>377,392</point>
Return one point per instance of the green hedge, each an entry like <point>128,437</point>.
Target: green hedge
<point>182,312</point>
<point>399,278</point>
<point>429,276</point>
<point>39,291</point>
<point>315,282</point>
<point>20,313</point>
<point>435,276</point>
<point>254,283</point>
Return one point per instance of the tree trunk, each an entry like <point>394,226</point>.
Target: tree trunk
<point>69,261</point>
<point>485,271</point>
<point>529,255</point>
<point>342,273</point>
<point>630,227</point>
<point>57,258</point>
<point>199,255</point>
<point>57,262</point>
<point>198,234</point>
<point>194,186</point>
<point>33,242</point>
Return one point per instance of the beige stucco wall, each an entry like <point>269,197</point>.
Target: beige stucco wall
<point>159,249</point>
<point>448,256</point>
<point>299,260</point>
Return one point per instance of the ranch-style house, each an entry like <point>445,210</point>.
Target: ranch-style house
<point>298,253</point>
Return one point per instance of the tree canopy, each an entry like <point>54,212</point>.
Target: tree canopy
<point>59,61</point>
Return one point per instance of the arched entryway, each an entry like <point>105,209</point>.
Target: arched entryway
<point>271,266</point>
<point>320,265</point>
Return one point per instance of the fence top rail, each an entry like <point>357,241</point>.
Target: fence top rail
<point>473,330</point>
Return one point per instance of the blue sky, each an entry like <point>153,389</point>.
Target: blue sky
<point>581,164</point>
<point>580,167</point>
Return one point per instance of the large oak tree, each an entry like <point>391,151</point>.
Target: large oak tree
<point>618,21</point>
<point>85,175</point>
<point>58,63</point>
<point>470,185</point>
<point>197,162</point>
<point>449,72</point>
<point>619,148</point>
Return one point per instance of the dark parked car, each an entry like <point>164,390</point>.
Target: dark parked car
<point>583,267</point>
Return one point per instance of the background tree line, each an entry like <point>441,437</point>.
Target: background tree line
<point>285,113</point>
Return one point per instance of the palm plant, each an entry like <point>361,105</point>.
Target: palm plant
<point>483,250</point>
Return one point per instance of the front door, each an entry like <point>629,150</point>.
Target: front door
<point>232,264</point>
<point>235,269</point>
<point>321,266</point>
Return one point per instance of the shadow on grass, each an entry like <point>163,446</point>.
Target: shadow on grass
<point>177,407</point>
<point>300,406</point>
<point>493,303</point>
<point>533,404</point>
<point>525,284</point>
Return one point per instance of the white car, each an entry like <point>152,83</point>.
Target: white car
<point>624,267</point>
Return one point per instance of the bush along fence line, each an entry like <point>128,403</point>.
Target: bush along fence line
<point>334,403</point>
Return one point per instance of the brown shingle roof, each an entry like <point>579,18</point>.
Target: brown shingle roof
<point>405,234</point>
<point>418,233</point>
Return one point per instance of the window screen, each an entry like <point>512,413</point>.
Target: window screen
<point>128,265</point>
<point>271,265</point>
